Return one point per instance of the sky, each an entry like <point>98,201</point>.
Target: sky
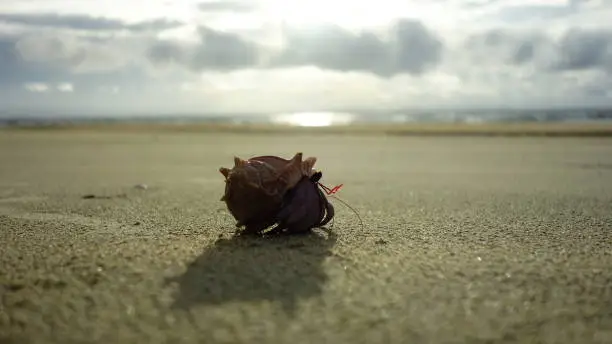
<point>277,56</point>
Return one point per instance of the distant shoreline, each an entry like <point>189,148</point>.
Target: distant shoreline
<point>521,129</point>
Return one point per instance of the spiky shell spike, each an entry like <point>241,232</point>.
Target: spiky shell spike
<point>239,162</point>
<point>224,171</point>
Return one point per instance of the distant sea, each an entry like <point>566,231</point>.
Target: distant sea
<point>322,118</point>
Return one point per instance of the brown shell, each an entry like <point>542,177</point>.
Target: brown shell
<point>255,187</point>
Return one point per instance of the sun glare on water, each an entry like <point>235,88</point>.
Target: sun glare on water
<point>313,119</point>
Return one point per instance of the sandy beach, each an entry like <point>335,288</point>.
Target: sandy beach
<point>465,239</point>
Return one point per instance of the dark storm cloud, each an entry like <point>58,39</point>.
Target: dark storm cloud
<point>84,22</point>
<point>585,49</point>
<point>225,6</point>
<point>216,51</point>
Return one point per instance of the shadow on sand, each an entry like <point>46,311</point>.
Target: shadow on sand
<point>277,269</point>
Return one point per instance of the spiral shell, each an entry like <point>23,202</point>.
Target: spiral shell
<point>255,188</point>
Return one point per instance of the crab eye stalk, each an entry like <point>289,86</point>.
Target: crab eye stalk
<point>316,176</point>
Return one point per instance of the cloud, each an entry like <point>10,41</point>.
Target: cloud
<point>412,48</point>
<point>507,47</point>
<point>418,49</point>
<point>540,12</point>
<point>224,55</point>
<point>85,22</point>
<point>214,51</point>
<point>65,87</point>
<point>581,49</point>
<point>223,51</point>
<point>41,87</point>
<point>575,49</point>
<point>167,52</point>
<point>14,70</point>
<point>77,54</point>
<point>36,87</point>
<point>226,6</point>
<point>334,48</point>
<point>110,89</point>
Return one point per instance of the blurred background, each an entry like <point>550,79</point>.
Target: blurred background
<point>305,63</point>
<point>116,233</point>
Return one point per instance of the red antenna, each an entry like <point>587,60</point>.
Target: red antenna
<point>331,191</point>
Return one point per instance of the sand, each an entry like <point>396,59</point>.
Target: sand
<point>465,240</point>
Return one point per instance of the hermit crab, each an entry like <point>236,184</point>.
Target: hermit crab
<point>266,191</point>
